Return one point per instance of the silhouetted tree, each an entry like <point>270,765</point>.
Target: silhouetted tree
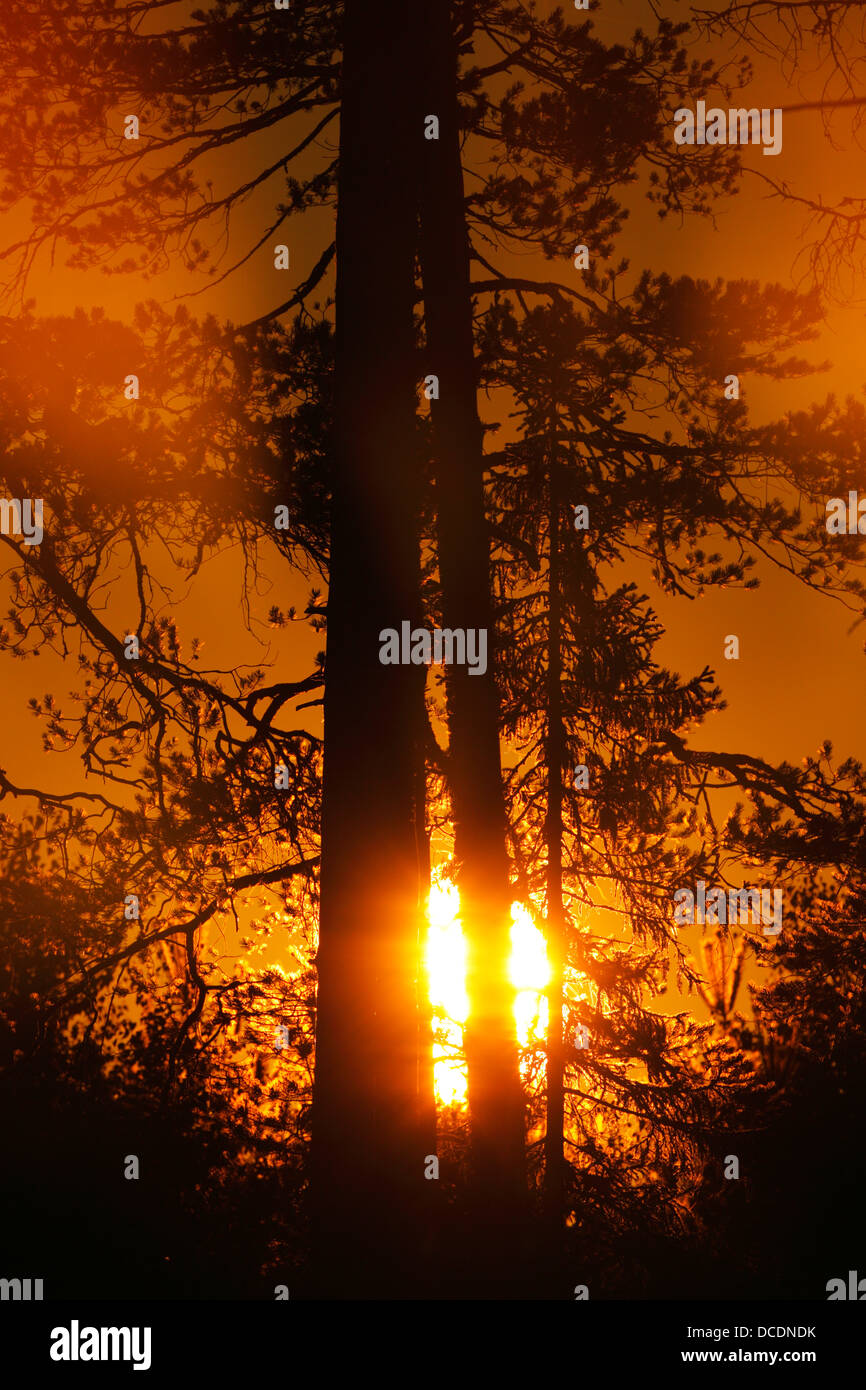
<point>206,825</point>
<point>368,1111</point>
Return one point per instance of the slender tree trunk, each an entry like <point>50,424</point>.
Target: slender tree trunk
<point>426,1091</point>
<point>555,754</point>
<point>494,1090</point>
<point>369,1139</point>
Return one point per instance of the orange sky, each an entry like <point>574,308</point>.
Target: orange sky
<point>801,675</point>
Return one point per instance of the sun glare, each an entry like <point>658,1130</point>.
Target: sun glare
<point>530,974</point>
<point>446,970</point>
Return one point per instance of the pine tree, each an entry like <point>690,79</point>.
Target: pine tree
<point>367,1109</point>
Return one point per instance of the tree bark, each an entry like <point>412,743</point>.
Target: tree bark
<point>494,1089</point>
<point>555,759</point>
<point>370,1124</point>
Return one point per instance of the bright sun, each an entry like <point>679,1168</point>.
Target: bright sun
<point>446,967</point>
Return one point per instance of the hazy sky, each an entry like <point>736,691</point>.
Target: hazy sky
<point>800,676</point>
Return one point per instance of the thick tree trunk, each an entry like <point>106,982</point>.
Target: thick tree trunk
<point>369,1138</point>
<point>495,1095</point>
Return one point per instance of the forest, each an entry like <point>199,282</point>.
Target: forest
<point>433,774</point>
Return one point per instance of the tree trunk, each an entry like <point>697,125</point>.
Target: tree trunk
<point>426,1089</point>
<point>494,1090</point>
<point>369,1142</point>
<point>555,758</point>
